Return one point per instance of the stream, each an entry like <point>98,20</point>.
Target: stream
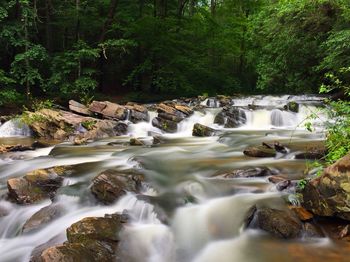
<point>185,214</point>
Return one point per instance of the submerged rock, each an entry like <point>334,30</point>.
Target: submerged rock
<point>165,125</point>
<point>314,153</point>
<point>202,130</point>
<point>42,217</point>
<point>231,117</point>
<point>109,185</point>
<point>328,194</point>
<point>260,151</point>
<point>35,186</point>
<point>137,113</point>
<point>249,172</point>
<point>292,106</point>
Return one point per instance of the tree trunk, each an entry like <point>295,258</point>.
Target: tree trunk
<point>213,7</point>
<point>48,28</point>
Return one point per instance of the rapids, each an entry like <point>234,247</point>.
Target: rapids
<point>191,216</point>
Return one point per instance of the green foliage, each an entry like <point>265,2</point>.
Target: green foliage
<point>302,183</point>
<point>88,124</point>
<point>338,128</point>
<point>10,96</point>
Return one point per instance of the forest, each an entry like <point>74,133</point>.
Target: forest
<point>148,50</point>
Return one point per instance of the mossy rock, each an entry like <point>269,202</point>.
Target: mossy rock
<point>260,151</point>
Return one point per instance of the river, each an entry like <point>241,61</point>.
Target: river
<point>189,215</point>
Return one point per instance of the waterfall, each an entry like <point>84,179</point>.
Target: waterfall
<point>14,127</point>
<point>277,117</point>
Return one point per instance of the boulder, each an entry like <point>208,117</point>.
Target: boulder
<point>259,151</point>
<point>249,172</point>
<point>90,239</point>
<point>313,153</point>
<point>292,106</point>
<point>328,194</point>
<point>137,113</point>
<point>279,223</point>
<point>231,117</point>
<point>301,212</point>
<point>35,186</point>
<point>42,217</point>
<point>109,185</point>
<point>202,130</point>
<point>108,110</point>
<point>79,108</point>
<point>15,148</point>
<point>165,125</point>
<point>136,142</point>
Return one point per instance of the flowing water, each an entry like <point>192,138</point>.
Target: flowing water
<point>185,213</point>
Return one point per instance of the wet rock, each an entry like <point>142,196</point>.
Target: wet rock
<point>4,211</point>
<point>276,146</point>
<point>231,117</point>
<point>213,103</point>
<point>165,125</point>
<point>136,142</point>
<point>328,194</point>
<point>109,185</point>
<point>138,113</point>
<point>42,217</point>
<point>292,106</point>
<point>301,212</point>
<point>312,231</point>
<point>224,100</point>
<point>259,151</point>
<point>279,223</point>
<point>314,153</point>
<point>249,172</point>
<point>202,130</point>
<point>344,232</point>
<point>90,239</point>
<point>15,148</point>
<point>35,186</point>
<point>79,108</point>
<point>108,110</point>
<point>282,185</point>
<point>120,129</point>
<point>276,179</point>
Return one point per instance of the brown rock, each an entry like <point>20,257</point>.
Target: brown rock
<point>79,108</point>
<point>259,151</point>
<point>301,212</point>
<point>202,130</point>
<point>109,185</point>
<point>328,194</point>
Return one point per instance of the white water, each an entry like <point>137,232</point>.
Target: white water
<point>169,227</point>
<point>13,128</point>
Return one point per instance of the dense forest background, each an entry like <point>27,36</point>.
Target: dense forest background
<point>83,48</point>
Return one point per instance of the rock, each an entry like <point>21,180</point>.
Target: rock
<point>292,106</point>
<point>137,113</point>
<point>312,231</point>
<point>259,151</point>
<point>136,142</point>
<point>344,232</point>
<point>277,146</point>
<point>4,211</point>
<point>184,109</point>
<point>328,194</point>
<point>282,185</point>
<point>314,153</point>
<point>108,110</point>
<point>96,228</point>
<point>35,186</point>
<point>301,212</point>
<point>276,179</point>
<point>162,108</point>
<point>165,125</point>
<point>90,239</point>
<point>202,130</point>
<point>15,148</point>
<point>231,117</point>
<point>279,223</point>
<point>79,108</point>
<point>249,172</point>
<point>173,118</point>
<point>109,185</point>
<point>224,100</point>
<point>213,103</point>
<point>42,217</point>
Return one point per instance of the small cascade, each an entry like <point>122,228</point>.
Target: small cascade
<point>128,115</point>
<point>14,127</point>
<point>141,129</point>
<point>277,117</point>
<point>211,103</point>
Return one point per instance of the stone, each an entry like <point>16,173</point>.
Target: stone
<point>35,186</point>
<point>108,110</point>
<point>312,231</point>
<point>136,142</point>
<point>165,125</point>
<point>79,108</point>
<point>231,117</point>
<point>276,179</point>
<point>301,212</point>
<point>328,194</point>
<point>42,217</point>
<point>109,185</point>
<point>15,148</point>
<point>90,239</point>
<point>279,223</point>
<point>313,153</point>
<point>184,109</point>
<point>202,130</point>
<point>248,172</point>
<point>259,151</point>
<point>292,106</point>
